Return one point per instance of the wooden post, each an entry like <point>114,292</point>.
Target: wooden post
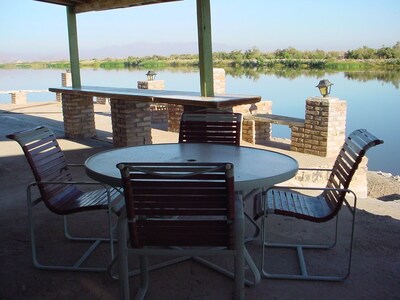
<point>73,47</point>
<point>205,48</point>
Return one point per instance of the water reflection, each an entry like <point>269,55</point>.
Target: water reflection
<point>392,77</point>
<point>372,96</point>
<point>386,76</point>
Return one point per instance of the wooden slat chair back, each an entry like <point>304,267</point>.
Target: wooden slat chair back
<point>289,201</point>
<point>48,164</point>
<point>210,127</point>
<point>344,168</point>
<point>58,191</point>
<point>180,205</point>
<point>202,194</point>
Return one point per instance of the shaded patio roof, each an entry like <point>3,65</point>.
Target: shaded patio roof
<point>73,7</point>
<point>80,6</point>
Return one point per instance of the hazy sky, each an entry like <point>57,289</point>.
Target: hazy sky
<point>34,29</point>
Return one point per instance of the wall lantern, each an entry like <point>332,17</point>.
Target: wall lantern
<point>151,75</point>
<point>324,87</point>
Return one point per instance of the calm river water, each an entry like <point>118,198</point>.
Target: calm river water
<point>372,102</point>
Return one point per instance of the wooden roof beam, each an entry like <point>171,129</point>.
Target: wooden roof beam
<point>80,6</point>
<point>63,2</point>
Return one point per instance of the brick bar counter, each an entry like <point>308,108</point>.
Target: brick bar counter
<point>130,110</point>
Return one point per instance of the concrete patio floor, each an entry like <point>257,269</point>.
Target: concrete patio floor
<point>376,261</point>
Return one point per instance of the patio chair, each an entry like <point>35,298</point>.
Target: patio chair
<point>210,126</point>
<point>288,202</point>
<point>60,194</point>
<point>214,126</point>
<point>179,209</point>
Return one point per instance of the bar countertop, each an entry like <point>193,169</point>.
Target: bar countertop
<point>161,96</point>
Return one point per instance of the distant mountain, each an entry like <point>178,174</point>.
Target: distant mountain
<point>146,49</point>
<point>26,56</point>
<point>132,49</point>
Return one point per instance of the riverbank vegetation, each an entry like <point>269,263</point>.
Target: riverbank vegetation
<point>365,58</point>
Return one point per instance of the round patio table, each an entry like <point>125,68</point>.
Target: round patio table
<point>253,168</point>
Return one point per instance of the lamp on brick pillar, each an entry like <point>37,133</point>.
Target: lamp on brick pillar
<point>158,111</point>
<point>151,75</point>
<point>151,83</point>
<point>324,128</point>
<point>324,87</point>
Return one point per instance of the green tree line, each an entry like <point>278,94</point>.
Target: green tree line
<point>364,58</point>
<point>287,58</point>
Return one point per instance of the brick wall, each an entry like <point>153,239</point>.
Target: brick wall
<point>131,122</point>
<point>151,85</point>
<point>219,80</point>
<point>324,130</point>
<point>18,98</point>
<point>66,80</point>
<point>78,113</point>
<point>255,132</point>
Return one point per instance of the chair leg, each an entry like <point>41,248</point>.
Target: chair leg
<point>37,264</point>
<point>123,264</point>
<point>123,258</point>
<point>256,226</point>
<point>300,255</point>
<point>144,280</point>
<point>239,274</point>
<point>257,231</point>
<point>94,239</point>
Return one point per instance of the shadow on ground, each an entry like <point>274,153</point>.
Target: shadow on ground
<point>375,273</point>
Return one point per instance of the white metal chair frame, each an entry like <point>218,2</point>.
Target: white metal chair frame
<point>48,164</point>
<point>239,252</point>
<point>111,194</point>
<point>289,201</point>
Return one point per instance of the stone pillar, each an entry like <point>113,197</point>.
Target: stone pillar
<point>159,111</point>
<point>219,80</point>
<point>175,111</point>
<point>101,100</point>
<point>78,113</point>
<point>252,131</point>
<point>151,85</point>
<point>66,80</point>
<point>131,122</point>
<point>324,129</point>
<point>18,98</point>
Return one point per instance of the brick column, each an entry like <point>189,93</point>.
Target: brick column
<point>66,80</point>
<point>101,100</point>
<point>219,80</point>
<point>159,111</point>
<point>324,130</point>
<point>175,111</point>
<point>151,85</point>
<point>18,98</point>
<point>78,113</point>
<point>131,122</point>
<point>252,131</point>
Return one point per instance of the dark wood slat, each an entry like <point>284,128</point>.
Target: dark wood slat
<point>48,163</point>
<point>155,194</point>
<point>210,127</point>
<point>325,206</point>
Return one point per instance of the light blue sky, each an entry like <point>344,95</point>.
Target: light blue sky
<point>38,30</point>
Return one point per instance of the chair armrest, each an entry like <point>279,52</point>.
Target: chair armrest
<point>315,169</point>
<point>106,187</point>
<point>72,182</point>
<point>75,165</point>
